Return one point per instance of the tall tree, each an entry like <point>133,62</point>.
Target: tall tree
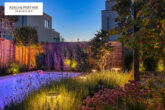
<point>152,17</point>
<point>149,20</point>
<point>128,28</point>
<point>11,19</point>
<point>26,36</point>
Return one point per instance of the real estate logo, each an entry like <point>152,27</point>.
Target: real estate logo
<point>23,8</point>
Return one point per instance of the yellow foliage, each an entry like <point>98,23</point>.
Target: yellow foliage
<point>74,64</point>
<point>68,62</point>
<point>145,21</point>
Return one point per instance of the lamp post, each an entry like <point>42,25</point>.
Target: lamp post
<point>53,96</point>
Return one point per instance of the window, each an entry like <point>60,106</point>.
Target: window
<point>47,24</point>
<point>107,22</point>
<point>56,39</point>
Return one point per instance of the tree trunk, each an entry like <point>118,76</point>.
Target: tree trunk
<point>136,51</point>
<point>123,56</point>
<point>136,65</point>
<point>164,81</point>
<point>103,63</point>
<point>103,68</point>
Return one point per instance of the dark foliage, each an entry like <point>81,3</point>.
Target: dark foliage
<point>55,59</point>
<point>150,64</point>
<point>128,61</point>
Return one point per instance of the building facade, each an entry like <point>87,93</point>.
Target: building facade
<point>108,18</point>
<point>116,57</point>
<point>43,24</point>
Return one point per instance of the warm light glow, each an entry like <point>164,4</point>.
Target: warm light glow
<point>22,53</point>
<point>116,69</point>
<point>94,70</point>
<point>68,62</point>
<point>82,77</point>
<point>52,97</point>
<point>71,63</point>
<point>74,64</point>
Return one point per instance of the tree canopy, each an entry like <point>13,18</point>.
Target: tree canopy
<point>10,18</point>
<point>148,16</point>
<point>100,48</point>
<point>26,36</point>
<point>141,24</point>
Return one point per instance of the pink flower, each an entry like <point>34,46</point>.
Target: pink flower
<point>132,91</point>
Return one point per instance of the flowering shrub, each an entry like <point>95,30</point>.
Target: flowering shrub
<point>132,97</point>
<point>135,96</point>
<point>156,103</point>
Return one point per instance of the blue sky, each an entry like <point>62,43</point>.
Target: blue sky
<point>72,18</point>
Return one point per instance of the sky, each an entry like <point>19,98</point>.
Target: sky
<point>72,18</point>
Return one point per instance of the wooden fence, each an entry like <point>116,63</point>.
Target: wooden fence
<point>7,52</point>
<point>116,57</point>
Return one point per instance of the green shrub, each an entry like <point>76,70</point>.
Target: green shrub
<point>160,65</point>
<point>15,68</point>
<point>150,64</point>
<point>40,61</point>
<point>3,72</point>
<point>128,61</point>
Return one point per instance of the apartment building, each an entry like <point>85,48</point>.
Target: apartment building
<point>108,22</point>
<point>108,18</point>
<point>43,24</point>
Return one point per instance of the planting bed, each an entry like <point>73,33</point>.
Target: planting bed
<point>14,88</point>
